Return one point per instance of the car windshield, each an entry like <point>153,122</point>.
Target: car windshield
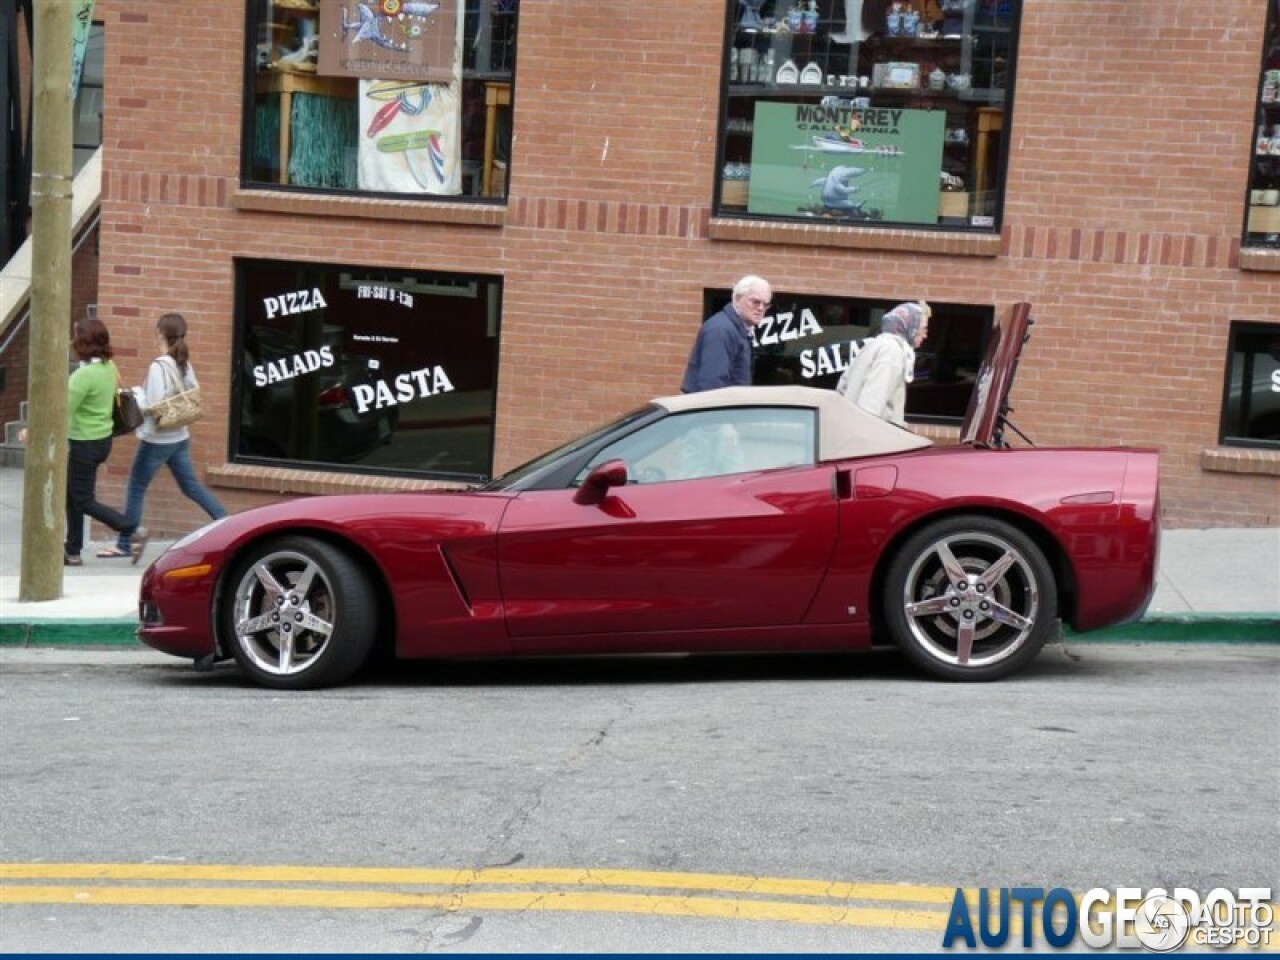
<point>526,474</point>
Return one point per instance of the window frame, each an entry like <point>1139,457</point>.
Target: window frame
<point>980,315</point>
<point>237,398</point>
<point>250,73</point>
<point>685,424</point>
<point>1266,116</point>
<point>1238,329</point>
<point>719,209</point>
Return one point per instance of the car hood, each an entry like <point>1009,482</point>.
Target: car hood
<point>984,421</point>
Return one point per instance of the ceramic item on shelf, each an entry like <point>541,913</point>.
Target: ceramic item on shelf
<point>937,79</point>
<point>750,21</point>
<point>854,32</point>
<point>788,73</point>
<point>811,74</point>
<point>811,17</point>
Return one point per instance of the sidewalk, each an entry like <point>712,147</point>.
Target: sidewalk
<point>1226,579</point>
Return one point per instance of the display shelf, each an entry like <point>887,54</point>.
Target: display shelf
<point>951,97</point>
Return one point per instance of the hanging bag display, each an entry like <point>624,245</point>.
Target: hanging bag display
<point>126,414</point>
<point>180,407</point>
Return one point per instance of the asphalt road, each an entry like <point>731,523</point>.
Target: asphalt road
<point>669,804</point>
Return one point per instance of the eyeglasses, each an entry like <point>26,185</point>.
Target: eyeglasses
<point>759,304</point>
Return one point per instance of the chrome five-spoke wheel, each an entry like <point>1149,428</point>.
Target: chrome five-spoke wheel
<point>970,598</point>
<point>300,614</point>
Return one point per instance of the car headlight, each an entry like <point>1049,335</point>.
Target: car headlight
<point>195,535</point>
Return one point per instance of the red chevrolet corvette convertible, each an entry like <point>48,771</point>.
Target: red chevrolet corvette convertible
<point>742,519</point>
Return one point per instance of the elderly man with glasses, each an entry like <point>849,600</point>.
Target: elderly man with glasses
<point>722,354</point>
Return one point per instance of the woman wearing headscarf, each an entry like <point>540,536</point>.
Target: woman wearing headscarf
<point>90,394</point>
<point>877,379</point>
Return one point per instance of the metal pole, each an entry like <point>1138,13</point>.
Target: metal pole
<point>45,481</point>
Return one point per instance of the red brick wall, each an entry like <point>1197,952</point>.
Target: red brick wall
<point>1130,145</point>
<point>15,358</point>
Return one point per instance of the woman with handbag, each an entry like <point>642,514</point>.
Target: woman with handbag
<point>170,402</point>
<point>91,393</point>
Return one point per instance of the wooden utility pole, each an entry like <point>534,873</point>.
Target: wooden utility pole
<point>44,517</point>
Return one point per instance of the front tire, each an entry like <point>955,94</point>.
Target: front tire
<point>970,598</point>
<point>299,614</point>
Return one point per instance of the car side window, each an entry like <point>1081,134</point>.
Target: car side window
<point>711,443</point>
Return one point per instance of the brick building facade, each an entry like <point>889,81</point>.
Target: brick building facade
<point>1128,153</point>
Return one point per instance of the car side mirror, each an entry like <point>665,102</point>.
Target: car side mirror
<point>611,473</point>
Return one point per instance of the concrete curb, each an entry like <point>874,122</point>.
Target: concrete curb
<point>1179,628</point>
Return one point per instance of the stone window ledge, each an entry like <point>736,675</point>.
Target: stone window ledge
<point>369,208</point>
<point>286,481</point>
<point>858,238</point>
<point>1241,460</point>
<point>1256,258</point>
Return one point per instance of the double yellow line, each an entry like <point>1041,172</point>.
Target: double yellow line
<point>713,896</point>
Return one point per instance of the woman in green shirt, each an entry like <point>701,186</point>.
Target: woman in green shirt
<point>91,391</point>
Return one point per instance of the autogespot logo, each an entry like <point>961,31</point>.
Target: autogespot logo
<point>1162,923</point>
<point>1127,918</point>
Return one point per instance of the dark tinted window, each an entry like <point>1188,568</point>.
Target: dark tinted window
<point>1251,407</point>
<point>809,340</point>
<point>373,370</point>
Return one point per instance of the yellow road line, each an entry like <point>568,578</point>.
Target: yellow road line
<point>495,876</point>
<point>468,901</point>
<point>720,893</point>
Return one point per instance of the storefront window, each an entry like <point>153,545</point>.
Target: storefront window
<point>867,111</point>
<point>1262,226</point>
<point>391,371</point>
<point>809,340</point>
<point>392,97</point>
<point>1251,405</point>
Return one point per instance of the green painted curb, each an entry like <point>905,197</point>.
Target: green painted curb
<point>1188,628</point>
<point>70,633</point>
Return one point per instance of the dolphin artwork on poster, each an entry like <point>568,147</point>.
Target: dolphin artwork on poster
<point>369,24</point>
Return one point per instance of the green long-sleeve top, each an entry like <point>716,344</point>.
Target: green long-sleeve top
<point>92,390</point>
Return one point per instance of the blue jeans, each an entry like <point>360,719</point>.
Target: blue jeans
<point>84,457</point>
<point>150,458</point>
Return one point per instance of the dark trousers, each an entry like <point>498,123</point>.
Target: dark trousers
<point>83,459</point>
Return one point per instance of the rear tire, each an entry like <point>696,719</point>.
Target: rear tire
<point>298,614</point>
<point>970,598</point>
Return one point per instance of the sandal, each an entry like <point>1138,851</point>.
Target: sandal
<point>137,543</point>
<point>112,553</point>
<point>72,560</point>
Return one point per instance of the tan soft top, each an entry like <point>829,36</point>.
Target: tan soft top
<point>844,430</point>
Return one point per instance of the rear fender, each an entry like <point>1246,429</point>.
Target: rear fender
<point>1053,552</point>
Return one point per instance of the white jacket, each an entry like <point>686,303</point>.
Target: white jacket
<point>877,379</point>
<point>160,384</point>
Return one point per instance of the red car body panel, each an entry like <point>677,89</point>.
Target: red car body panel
<point>434,552</point>
<point>726,552</point>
